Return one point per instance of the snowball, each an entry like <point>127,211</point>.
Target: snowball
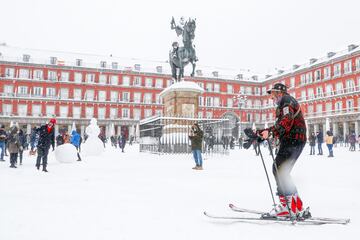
<point>66,153</point>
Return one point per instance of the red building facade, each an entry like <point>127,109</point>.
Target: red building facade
<point>34,89</point>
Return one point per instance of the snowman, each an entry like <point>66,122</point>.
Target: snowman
<point>93,146</point>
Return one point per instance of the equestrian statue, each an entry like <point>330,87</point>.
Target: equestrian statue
<point>179,57</point>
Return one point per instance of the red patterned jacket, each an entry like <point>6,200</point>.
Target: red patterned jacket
<point>290,125</point>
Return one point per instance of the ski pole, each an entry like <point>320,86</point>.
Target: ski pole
<point>267,175</point>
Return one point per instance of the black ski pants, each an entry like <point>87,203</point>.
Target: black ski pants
<point>42,155</point>
<point>284,162</point>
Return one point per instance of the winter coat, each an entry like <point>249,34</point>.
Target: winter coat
<point>22,139</point>
<point>320,137</point>
<point>312,140</point>
<point>46,139</point>
<point>122,141</point>
<point>290,125</point>
<point>59,140</point>
<point>196,140</point>
<point>14,145</point>
<point>75,138</point>
<point>329,139</point>
<point>3,135</point>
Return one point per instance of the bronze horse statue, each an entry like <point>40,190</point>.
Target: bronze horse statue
<point>179,57</point>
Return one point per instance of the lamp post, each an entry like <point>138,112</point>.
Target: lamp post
<point>240,99</point>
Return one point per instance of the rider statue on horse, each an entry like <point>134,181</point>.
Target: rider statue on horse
<point>179,57</point>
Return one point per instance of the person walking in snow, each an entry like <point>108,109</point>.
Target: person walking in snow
<point>312,140</point>
<point>14,145</point>
<point>329,139</point>
<point>320,140</point>
<point>290,129</point>
<point>46,139</point>
<point>196,137</point>
<point>122,141</point>
<point>75,140</point>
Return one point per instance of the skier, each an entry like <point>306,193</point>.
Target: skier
<point>46,138</point>
<point>290,129</point>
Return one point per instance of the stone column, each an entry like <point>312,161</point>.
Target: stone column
<point>316,128</point>
<point>356,128</point>
<point>56,130</point>
<point>69,129</point>
<point>335,128</point>
<point>346,128</point>
<point>307,129</point>
<point>28,128</point>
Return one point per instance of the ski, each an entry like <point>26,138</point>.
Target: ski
<point>273,220</point>
<point>245,210</point>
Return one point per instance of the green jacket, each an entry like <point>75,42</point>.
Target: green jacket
<point>196,140</point>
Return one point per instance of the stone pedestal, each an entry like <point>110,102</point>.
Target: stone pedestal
<point>181,99</point>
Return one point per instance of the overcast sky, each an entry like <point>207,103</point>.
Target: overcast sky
<point>235,34</point>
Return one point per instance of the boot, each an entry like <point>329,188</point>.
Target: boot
<point>282,209</point>
<point>44,169</point>
<point>196,167</point>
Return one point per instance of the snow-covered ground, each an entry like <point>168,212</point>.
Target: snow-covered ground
<point>136,195</point>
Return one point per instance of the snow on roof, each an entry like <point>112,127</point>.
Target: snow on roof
<point>186,86</point>
<point>331,56</point>
<point>36,56</point>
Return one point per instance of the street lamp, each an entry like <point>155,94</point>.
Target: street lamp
<point>240,99</point>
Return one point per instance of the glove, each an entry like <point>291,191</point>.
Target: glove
<point>247,143</point>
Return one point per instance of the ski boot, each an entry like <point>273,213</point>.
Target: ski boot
<point>282,209</point>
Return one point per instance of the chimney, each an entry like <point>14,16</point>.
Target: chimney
<point>330,54</point>
<point>215,73</point>
<point>352,47</point>
<point>255,77</point>
<point>312,60</point>
<point>280,71</point>
<point>137,67</point>
<point>159,69</point>
<point>295,66</point>
<point>268,75</point>
<point>199,72</point>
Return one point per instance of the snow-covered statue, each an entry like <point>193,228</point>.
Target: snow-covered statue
<point>93,146</point>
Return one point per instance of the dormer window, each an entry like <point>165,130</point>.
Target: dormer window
<point>114,65</point>
<point>26,57</point>
<point>53,60</point>
<point>103,64</point>
<point>78,62</point>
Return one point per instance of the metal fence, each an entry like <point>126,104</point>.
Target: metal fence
<point>170,135</point>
